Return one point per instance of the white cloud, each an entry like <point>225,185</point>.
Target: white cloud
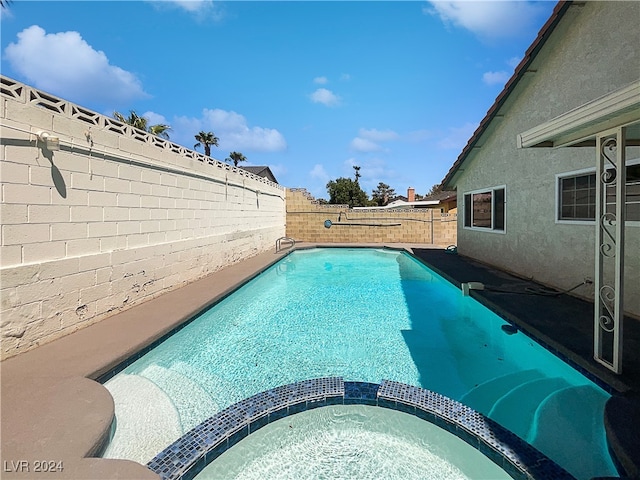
<point>234,133</point>
<point>345,77</point>
<point>320,80</point>
<point>155,118</point>
<point>326,97</point>
<point>372,170</point>
<point>493,78</point>
<point>457,137</point>
<point>201,9</point>
<point>364,145</point>
<point>489,19</point>
<point>64,64</point>
<point>191,5</point>
<point>419,135</point>
<point>378,135</point>
<point>368,139</point>
<point>319,173</point>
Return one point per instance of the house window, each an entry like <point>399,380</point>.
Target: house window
<point>484,209</point>
<point>577,196</point>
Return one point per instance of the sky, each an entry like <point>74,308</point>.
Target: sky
<point>308,88</point>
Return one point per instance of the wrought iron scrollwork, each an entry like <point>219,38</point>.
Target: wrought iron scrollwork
<point>608,228</point>
<point>608,151</point>
<point>610,195</point>
<point>607,224</point>
<point>607,298</point>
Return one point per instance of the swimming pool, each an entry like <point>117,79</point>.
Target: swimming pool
<point>365,315</point>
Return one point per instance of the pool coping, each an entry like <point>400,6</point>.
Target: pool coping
<point>191,453</point>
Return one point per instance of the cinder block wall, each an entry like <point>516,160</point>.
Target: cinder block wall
<point>306,219</point>
<point>115,217</point>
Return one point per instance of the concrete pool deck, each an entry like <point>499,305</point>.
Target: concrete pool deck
<point>53,412</point>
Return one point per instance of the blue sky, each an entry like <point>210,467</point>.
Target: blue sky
<point>308,88</point>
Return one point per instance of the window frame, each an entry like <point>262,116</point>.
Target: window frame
<point>558,202</point>
<point>493,228</point>
<point>579,173</point>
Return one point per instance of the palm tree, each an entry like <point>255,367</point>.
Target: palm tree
<point>357,169</point>
<point>160,130</point>
<point>207,139</point>
<point>133,119</point>
<point>236,158</point>
<point>142,123</point>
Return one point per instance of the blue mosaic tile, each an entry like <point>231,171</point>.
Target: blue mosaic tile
<point>425,415</point>
<point>188,455</point>
<point>316,403</point>
<point>297,407</point>
<point>278,414</point>
<point>334,401</point>
<point>239,435</point>
<point>360,390</point>
<point>216,451</point>
<point>386,403</point>
<point>258,423</point>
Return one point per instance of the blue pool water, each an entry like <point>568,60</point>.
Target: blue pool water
<point>364,315</point>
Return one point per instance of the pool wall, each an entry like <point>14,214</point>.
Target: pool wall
<point>191,453</point>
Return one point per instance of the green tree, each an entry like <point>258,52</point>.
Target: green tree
<point>346,191</point>
<point>141,123</point>
<point>382,194</point>
<point>207,139</point>
<point>437,188</point>
<point>236,158</point>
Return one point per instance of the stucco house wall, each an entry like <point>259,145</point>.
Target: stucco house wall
<point>113,218</point>
<point>591,52</point>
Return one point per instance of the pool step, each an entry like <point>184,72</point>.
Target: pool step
<point>189,398</point>
<point>221,391</point>
<point>483,397</point>
<point>517,408</point>
<point>568,419</point>
<point>146,422</point>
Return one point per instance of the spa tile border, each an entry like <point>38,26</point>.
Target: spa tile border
<point>191,453</point>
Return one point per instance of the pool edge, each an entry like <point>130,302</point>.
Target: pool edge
<point>192,452</point>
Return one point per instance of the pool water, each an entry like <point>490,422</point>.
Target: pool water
<point>352,442</point>
<point>364,315</point>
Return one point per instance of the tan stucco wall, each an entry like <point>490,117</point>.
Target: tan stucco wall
<point>95,228</point>
<point>591,53</point>
<point>305,222</point>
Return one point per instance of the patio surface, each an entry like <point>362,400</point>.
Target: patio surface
<point>53,411</point>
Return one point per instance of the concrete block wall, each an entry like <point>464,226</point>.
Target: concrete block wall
<point>306,218</point>
<point>113,218</point>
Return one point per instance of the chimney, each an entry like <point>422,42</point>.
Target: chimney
<point>411,194</point>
